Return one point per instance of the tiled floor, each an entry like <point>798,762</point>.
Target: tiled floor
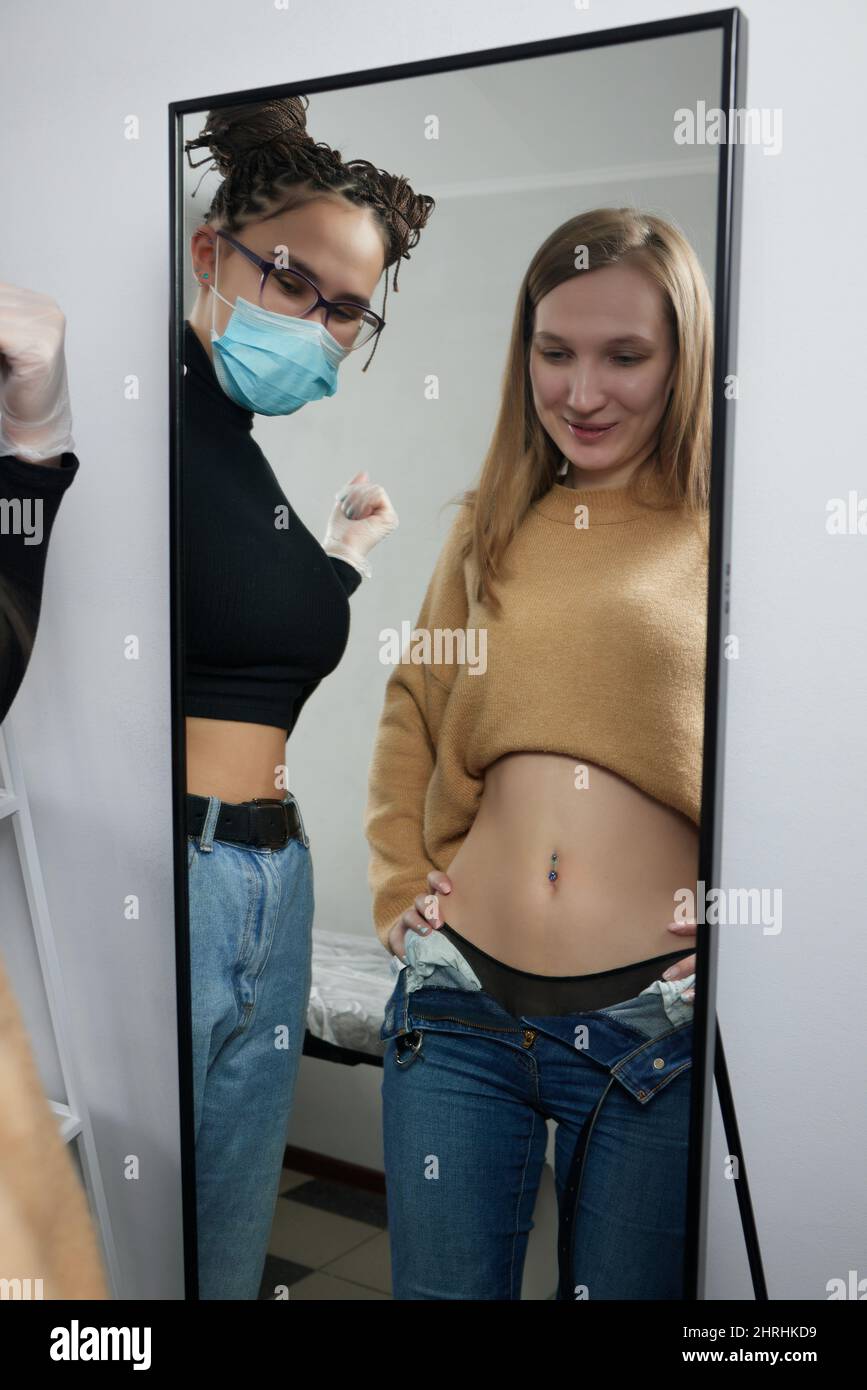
<point>328,1241</point>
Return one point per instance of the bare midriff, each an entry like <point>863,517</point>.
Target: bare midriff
<point>620,858</point>
<point>234,761</point>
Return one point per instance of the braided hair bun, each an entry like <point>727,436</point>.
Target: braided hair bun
<point>263,149</point>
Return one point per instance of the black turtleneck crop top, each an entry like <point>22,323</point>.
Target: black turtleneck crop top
<point>266,611</point>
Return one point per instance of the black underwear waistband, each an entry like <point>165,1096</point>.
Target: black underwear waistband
<point>523,992</point>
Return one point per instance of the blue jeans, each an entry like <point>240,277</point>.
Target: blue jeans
<point>251,915</point>
<point>466,1092</point>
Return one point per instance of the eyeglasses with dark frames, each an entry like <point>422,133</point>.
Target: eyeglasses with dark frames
<point>288,291</point>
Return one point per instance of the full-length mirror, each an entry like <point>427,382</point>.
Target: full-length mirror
<point>445,461</point>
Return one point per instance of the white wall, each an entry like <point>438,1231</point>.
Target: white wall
<point>86,220</point>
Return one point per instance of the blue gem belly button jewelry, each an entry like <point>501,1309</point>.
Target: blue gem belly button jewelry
<point>552,872</point>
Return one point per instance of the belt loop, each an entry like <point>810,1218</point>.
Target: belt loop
<point>289,800</point>
<point>206,839</point>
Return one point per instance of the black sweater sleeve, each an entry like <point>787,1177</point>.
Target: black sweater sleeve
<point>348,575</point>
<point>30,495</point>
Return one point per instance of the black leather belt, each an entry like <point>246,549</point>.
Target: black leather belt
<point>263,821</point>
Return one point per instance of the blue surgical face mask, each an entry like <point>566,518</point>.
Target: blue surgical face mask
<point>272,363</point>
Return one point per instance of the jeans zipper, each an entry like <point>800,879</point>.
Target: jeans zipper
<point>529,1033</point>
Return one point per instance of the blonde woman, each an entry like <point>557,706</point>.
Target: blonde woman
<point>532,817</point>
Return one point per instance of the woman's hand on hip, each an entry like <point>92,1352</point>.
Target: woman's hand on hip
<point>423,917</point>
<point>682,968</point>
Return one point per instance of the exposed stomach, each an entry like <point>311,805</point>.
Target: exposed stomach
<point>233,760</point>
<point>621,857</point>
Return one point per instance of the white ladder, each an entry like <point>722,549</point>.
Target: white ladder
<point>72,1114</point>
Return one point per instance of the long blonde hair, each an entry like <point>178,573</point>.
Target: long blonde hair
<point>522,460</point>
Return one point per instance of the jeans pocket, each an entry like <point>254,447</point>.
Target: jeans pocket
<point>668,997</point>
<point>393,1011</point>
<point>434,962</point>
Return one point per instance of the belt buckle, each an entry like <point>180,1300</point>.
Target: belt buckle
<point>269,841</point>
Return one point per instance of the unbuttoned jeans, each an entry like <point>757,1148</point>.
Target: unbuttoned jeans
<point>251,917</point>
<point>466,1092</point>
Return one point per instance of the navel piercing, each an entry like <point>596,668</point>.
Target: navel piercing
<point>552,873</point>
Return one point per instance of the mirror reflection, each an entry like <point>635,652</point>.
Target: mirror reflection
<point>461,1069</point>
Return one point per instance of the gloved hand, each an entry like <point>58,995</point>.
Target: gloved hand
<point>35,416</point>
<point>362,515</point>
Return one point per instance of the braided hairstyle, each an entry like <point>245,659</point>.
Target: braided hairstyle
<point>269,163</point>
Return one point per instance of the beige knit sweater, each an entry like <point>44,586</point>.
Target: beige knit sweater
<point>45,1226</point>
<point>599,654</point>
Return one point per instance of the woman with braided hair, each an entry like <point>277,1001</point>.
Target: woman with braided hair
<point>290,252</point>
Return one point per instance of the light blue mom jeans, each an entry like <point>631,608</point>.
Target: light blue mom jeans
<point>251,917</point>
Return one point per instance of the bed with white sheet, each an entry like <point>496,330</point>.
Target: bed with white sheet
<point>353,978</point>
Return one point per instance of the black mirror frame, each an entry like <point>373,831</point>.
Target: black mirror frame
<point>733,29</point>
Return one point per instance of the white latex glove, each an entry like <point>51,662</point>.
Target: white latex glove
<point>35,416</point>
<point>361,516</point>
